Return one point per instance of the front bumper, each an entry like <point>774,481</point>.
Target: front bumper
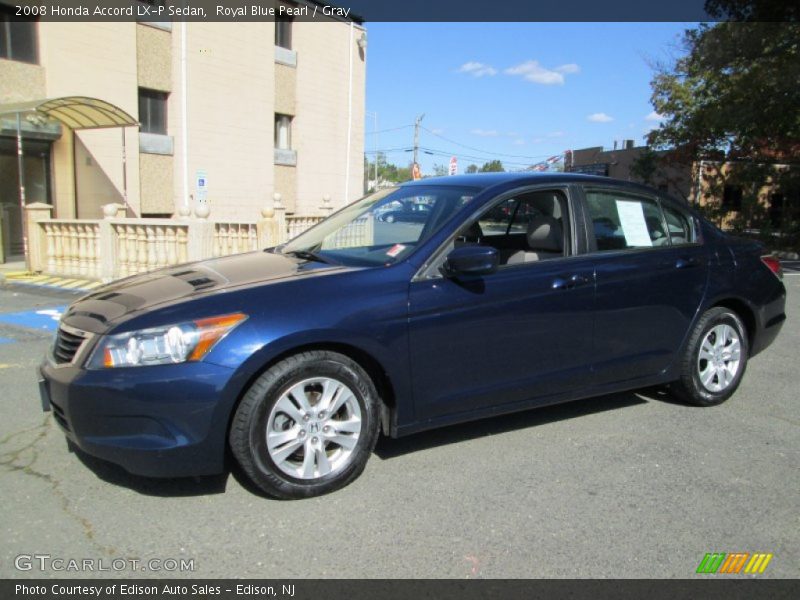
<point>159,421</point>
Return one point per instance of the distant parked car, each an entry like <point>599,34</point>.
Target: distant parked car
<point>296,357</point>
<point>408,213</point>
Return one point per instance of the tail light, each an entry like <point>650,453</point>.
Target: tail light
<point>773,264</point>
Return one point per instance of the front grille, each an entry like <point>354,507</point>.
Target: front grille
<point>67,345</point>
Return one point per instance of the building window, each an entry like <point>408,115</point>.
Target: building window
<point>152,111</point>
<point>283,33</point>
<point>283,132</point>
<point>17,37</point>
<point>732,197</point>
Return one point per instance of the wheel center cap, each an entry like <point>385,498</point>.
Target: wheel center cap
<point>314,428</point>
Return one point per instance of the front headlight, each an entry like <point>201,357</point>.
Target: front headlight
<point>182,342</point>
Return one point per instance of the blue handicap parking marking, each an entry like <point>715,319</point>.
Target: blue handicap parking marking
<point>42,319</point>
<point>6,341</point>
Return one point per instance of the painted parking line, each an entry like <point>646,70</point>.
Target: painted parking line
<point>42,319</point>
<point>49,281</point>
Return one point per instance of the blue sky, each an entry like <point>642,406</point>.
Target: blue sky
<point>526,89</point>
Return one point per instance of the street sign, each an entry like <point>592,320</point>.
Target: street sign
<point>201,185</point>
<point>453,166</point>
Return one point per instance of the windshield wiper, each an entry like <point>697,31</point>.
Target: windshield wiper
<point>308,255</point>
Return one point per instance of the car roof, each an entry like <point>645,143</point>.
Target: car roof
<point>488,180</point>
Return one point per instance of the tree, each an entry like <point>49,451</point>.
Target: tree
<point>440,170</point>
<point>493,166</point>
<point>734,96</point>
<point>471,169</point>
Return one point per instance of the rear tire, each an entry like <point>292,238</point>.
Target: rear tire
<point>307,426</point>
<point>714,360</point>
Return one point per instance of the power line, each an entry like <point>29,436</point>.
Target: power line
<point>473,157</point>
<point>482,150</point>
<point>390,129</point>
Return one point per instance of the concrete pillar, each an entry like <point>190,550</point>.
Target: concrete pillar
<point>37,240</point>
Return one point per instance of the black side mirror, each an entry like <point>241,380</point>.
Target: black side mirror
<point>471,260</point>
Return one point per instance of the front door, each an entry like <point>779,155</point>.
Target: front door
<point>522,332</point>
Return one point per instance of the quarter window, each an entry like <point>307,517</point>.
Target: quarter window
<point>679,226</point>
<point>17,37</point>
<point>153,111</point>
<point>621,221</point>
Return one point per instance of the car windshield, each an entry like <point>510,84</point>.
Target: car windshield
<point>381,228</point>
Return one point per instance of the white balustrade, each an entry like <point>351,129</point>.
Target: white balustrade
<point>110,248</point>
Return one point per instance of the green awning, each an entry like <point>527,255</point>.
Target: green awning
<point>76,112</point>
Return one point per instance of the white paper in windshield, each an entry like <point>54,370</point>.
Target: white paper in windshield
<point>634,227</point>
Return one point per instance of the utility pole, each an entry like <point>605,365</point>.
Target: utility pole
<point>417,121</point>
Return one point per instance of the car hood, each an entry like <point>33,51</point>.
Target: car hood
<point>100,309</point>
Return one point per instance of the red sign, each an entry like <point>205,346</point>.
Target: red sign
<point>453,166</point>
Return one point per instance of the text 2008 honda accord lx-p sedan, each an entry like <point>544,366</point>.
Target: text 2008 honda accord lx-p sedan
<point>516,291</point>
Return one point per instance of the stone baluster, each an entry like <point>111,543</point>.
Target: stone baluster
<point>161,251</point>
<point>122,249</point>
<point>83,267</point>
<point>172,250</point>
<point>141,247</point>
<point>183,250</point>
<point>150,240</point>
<point>133,250</point>
<point>74,251</point>
<point>91,251</point>
<point>58,248</point>
<point>51,248</point>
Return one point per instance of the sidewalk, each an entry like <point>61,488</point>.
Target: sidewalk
<point>14,273</point>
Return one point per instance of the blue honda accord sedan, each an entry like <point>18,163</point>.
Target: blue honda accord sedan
<point>515,291</point>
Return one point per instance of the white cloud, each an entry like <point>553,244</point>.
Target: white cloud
<point>568,69</point>
<point>477,69</point>
<point>535,73</point>
<point>519,142</point>
<point>654,116</point>
<point>437,131</point>
<point>555,134</point>
<point>485,132</point>
<point>538,140</point>
<point>599,118</point>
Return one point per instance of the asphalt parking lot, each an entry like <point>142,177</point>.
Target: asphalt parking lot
<point>628,485</point>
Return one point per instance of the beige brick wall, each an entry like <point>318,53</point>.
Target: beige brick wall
<point>286,185</point>
<point>230,114</point>
<point>154,58</point>
<point>285,89</point>
<point>21,81</point>
<point>97,60</point>
<point>234,89</point>
<point>324,53</point>
<point>156,183</point>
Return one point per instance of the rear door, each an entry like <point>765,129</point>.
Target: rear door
<point>651,274</point>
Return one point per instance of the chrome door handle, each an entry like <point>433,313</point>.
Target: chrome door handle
<point>566,283</point>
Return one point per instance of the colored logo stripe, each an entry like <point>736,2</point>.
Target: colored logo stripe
<point>711,562</point>
<point>732,563</point>
<point>758,563</point>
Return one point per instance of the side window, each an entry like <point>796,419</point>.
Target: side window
<point>496,220</point>
<point>526,228</point>
<point>621,221</point>
<point>679,226</point>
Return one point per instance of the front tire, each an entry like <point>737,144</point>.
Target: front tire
<point>714,360</point>
<point>307,426</point>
